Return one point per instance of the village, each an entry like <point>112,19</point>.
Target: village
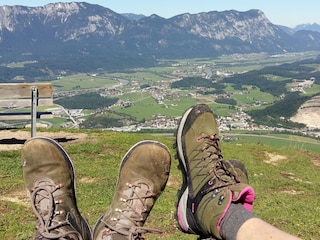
<point>160,92</point>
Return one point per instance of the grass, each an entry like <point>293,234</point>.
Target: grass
<point>315,89</point>
<point>286,181</point>
<point>56,121</point>
<point>145,107</point>
<point>280,141</point>
<point>253,96</point>
<point>82,81</point>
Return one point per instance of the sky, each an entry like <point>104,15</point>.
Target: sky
<point>288,13</point>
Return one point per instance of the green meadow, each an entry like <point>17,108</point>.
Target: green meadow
<point>285,177</point>
<point>82,81</point>
<point>145,107</point>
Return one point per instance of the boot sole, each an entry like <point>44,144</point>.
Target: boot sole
<point>183,193</point>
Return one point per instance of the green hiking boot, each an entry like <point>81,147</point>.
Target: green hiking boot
<point>242,174</point>
<point>210,183</point>
<point>240,170</point>
<point>49,178</point>
<point>143,175</point>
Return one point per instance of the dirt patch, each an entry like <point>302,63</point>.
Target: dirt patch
<point>14,140</point>
<point>310,117</point>
<point>314,158</point>
<point>274,159</point>
<point>172,181</point>
<point>20,197</point>
<point>293,177</point>
<point>88,180</point>
<point>293,192</point>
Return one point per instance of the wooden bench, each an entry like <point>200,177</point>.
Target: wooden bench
<point>15,97</point>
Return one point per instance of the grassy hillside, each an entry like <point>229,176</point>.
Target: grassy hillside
<point>285,177</point>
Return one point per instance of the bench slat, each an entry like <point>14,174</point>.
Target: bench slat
<point>19,95</point>
<point>23,90</point>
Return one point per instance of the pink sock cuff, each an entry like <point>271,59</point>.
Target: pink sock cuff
<point>245,197</point>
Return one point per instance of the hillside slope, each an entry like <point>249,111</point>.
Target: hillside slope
<point>285,180</point>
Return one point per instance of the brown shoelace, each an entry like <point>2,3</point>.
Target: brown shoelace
<point>135,206</point>
<point>43,205</point>
<point>220,167</point>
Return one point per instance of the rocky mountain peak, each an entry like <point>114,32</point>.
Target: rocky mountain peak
<point>93,29</point>
<point>221,25</point>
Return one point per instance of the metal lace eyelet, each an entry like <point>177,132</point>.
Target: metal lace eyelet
<point>221,200</point>
<point>214,194</point>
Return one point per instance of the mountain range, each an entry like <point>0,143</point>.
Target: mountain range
<point>75,32</point>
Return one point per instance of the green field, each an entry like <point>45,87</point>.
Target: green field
<point>82,81</point>
<point>278,140</point>
<point>145,107</point>
<point>285,178</point>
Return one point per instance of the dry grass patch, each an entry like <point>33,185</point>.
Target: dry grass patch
<point>88,180</point>
<point>293,177</point>
<point>314,158</point>
<point>19,196</point>
<point>274,159</point>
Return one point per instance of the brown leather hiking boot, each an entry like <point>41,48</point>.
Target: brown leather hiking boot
<point>49,178</point>
<point>210,183</point>
<point>143,175</point>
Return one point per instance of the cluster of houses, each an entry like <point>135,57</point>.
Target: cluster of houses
<point>300,85</point>
<point>161,91</point>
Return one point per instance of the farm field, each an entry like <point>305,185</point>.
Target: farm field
<point>148,94</point>
<point>145,105</point>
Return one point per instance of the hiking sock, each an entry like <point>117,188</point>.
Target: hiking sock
<point>233,220</point>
